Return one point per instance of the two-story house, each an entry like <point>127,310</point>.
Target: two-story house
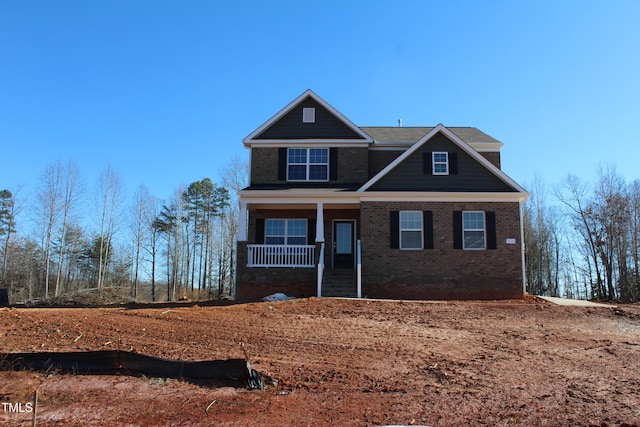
<point>334,209</point>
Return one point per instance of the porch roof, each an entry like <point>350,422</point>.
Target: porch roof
<point>297,188</point>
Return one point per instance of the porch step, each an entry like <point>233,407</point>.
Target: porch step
<point>339,282</point>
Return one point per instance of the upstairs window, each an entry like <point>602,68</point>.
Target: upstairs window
<point>308,115</point>
<point>308,164</point>
<point>285,232</point>
<point>440,163</point>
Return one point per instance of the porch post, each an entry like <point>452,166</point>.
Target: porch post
<point>319,223</point>
<point>242,223</point>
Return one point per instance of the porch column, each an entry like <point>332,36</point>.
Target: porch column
<point>319,223</point>
<point>242,223</point>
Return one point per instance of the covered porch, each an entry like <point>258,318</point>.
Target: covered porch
<point>302,249</point>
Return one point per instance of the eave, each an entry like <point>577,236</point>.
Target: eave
<point>306,197</point>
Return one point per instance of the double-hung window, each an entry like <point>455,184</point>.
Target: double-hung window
<point>411,230</point>
<point>285,232</point>
<point>440,163</point>
<point>308,164</point>
<point>473,230</point>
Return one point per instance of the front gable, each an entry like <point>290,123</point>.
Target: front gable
<point>469,171</point>
<point>290,125</point>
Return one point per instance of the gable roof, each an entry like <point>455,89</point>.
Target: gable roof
<point>359,135</point>
<point>456,140</point>
<point>411,135</point>
<point>395,136</point>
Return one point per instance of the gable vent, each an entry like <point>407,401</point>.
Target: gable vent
<point>308,115</point>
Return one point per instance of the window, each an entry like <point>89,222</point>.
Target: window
<point>473,230</point>
<point>285,232</point>
<point>308,115</point>
<point>440,163</point>
<point>411,230</point>
<point>308,164</point>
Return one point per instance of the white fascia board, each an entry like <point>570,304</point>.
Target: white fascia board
<point>486,147</point>
<point>306,142</point>
<point>290,106</point>
<point>267,197</point>
<point>390,196</point>
<point>456,140</point>
<point>390,147</point>
<point>354,197</point>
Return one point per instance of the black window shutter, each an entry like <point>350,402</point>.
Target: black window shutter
<point>333,164</point>
<point>490,219</point>
<point>394,230</point>
<point>427,163</point>
<point>311,231</point>
<point>282,164</point>
<point>453,163</point>
<point>427,224</point>
<point>260,230</point>
<point>457,229</point>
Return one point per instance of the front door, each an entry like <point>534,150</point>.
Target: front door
<point>343,244</point>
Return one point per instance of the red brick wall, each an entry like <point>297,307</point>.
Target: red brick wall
<point>352,165</point>
<point>439,273</point>
<point>442,272</point>
<point>255,283</point>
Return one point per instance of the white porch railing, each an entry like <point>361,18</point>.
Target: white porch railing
<point>281,255</point>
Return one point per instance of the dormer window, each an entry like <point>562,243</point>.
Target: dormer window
<point>308,164</point>
<point>440,163</point>
<point>308,115</point>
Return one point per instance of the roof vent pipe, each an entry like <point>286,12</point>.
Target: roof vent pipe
<point>399,123</point>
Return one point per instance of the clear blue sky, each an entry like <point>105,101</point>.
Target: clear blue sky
<point>164,91</point>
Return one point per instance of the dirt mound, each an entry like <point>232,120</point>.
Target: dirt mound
<point>96,297</point>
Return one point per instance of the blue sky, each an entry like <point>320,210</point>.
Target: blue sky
<point>164,91</point>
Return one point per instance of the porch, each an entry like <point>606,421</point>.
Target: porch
<point>299,250</point>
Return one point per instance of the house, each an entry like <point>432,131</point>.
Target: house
<point>335,209</point>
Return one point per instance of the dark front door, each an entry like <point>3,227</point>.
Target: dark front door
<point>343,244</point>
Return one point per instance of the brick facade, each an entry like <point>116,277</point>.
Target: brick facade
<point>441,272</point>
<point>264,165</point>
<point>255,283</point>
<point>352,165</point>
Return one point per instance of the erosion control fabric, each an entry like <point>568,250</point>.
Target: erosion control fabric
<point>110,362</point>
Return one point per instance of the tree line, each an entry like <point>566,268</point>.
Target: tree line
<point>582,240</point>
<point>154,249</point>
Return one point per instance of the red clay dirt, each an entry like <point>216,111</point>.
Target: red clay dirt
<point>340,362</point>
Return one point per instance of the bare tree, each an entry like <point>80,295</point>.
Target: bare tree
<point>47,208</point>
<point>574,194</point>
<point>542,243</point>
<point>151,246</point>
<point>234,177</point>
<point>7,225</point>
<point>634,231</point>
<point>110,196</point>
<point>143,208</point>
<point>71,193</point>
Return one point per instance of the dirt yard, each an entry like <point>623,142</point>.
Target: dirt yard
<point>340,363</point>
